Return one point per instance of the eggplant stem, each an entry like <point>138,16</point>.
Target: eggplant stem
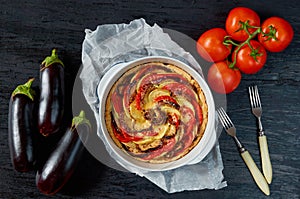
<point>25,89</point>
<point>80,119</point>
<point>48,61</point>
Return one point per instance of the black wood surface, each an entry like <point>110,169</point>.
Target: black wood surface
<point>30,29</point>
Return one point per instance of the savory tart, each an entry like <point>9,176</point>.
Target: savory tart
<point>156,112</point>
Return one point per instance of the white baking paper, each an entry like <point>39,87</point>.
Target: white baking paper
<point>113,44</point>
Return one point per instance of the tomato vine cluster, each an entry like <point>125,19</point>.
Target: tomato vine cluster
<point>241,47</point>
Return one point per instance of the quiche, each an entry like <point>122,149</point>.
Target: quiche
<point>156,112</point>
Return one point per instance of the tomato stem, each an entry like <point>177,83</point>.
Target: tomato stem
<point>254,53</point>
<point>271,34</point>
<point>227,41</point>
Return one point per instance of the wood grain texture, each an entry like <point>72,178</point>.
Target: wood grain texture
<point>30,29</point>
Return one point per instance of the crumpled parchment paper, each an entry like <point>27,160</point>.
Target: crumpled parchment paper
<point>113,44</point>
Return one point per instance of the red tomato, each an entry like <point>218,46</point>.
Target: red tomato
<point>280,38</point>
<point>251,61</point>
<point>210,45</point>
<point>223,79</point>
<point>234,19</point>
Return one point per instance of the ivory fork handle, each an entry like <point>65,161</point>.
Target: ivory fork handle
<point>265,158</point>
<point>255,172</point>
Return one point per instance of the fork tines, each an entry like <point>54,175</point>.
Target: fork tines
<point>224,118</point>
<point>254,96</point>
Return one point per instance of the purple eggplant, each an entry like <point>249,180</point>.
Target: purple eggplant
<point>63,160</point>
<point>52,95</point>
<point>22,127</point>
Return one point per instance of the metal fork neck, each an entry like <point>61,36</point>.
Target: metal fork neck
<point>261,133</point>
<point>260,127</point>
<point>239,144</point>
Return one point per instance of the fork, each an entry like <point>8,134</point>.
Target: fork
<point>255,172</point>
<point>262,139</point>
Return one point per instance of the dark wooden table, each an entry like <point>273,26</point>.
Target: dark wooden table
<point>30,29</point>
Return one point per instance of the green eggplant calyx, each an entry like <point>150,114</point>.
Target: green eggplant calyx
<point>48,61</point>
<point>80,119</point>
<point>25,89</point>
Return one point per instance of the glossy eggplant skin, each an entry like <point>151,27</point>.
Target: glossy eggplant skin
<point>52,98</point>
<point>21,130</point>
<point>62,161</point>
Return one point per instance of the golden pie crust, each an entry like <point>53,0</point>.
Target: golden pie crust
<point>156,112</point>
